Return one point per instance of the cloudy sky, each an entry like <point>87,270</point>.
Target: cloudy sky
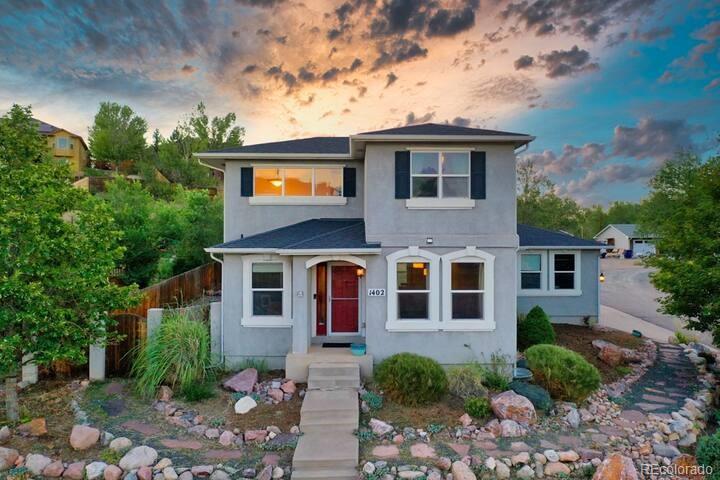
<point>610,88</point>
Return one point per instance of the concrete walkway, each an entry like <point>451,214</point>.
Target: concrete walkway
<point>328,448</point>
<point>609,317</point>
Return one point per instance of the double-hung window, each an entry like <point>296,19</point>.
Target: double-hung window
<point>549,272</point>
<point>564,270</point>
<point>531,271</point>
<point>62,143</point>
<point>468,290</point>
<point>266,291</point>
<point>413,290</point>
<point>298,181</point>
<point>440,174</point>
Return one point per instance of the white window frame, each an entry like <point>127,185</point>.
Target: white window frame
<point>311,199</point>
<point>271,321</point>
<point>576,278</point>
<point>469,255</point>
<point>439,202</point>
<point>410,255</point>
<point>543,290</point>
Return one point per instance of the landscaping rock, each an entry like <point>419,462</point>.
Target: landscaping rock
<point>443,463</point>
<point>539,397</point>
<point>288,387</point>
<point>244,405</point>
<point>379,427</point>
<point>460,471</point>
<point>511,428</point>
<point>551,455</point>
<point>5,434</point>
<point>265,473</point>
<point>276,394</point>
<point>165,393</point>
<point>198,430</point>
<point>212,433</point>
<point>616,467</point>
<point>36,463</point>
<point>142,456</point>
<point>106,438</point>
<point>242,382</point>
<point>511,406</point>
<point>556,468</point>
<point>8,456</point>
<point>569,456</point>
<point>422,450</point>
<point>609,352</point>
<point>75,471</point>
<point>53,470</point>
<point>465,420</point>
<point>255,435</point>
<point>219,475</point>
<point>112,472</point>
<point>169,473</point>
<point>278,473</point>
<point>144,473</point>
<point>573,418</point>
<point>162,464</point>
<point>368,468</point>
<point>385,451</point>
<point>120,444</point>
<point>83,437</point>
<point>502,471</point>
<point>36,427</point>
<point>227,438</point>
<point>522,457</point>
<point>186,475</point>
<point>95,470</point>
<point>526,473</point>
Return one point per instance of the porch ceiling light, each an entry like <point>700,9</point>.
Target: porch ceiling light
<point>418,265</point>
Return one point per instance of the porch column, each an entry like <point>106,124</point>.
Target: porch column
<point>302,294</point>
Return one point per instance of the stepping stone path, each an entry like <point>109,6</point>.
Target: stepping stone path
<point>328,418</point>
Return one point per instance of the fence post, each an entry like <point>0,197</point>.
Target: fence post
<point>154,318</point>
<point>29,370</point>
<point>97,363</point>
<point>215,330</point>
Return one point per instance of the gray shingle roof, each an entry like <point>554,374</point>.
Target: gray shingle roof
<point>539,237</point>
<point>440,129</point>
<point>318,233</point>
<point>323,145</point>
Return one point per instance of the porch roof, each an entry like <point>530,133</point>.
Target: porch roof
<point>534,237</point>
<point>318,234</point>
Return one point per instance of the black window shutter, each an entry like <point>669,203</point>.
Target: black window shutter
<point>477,175</point>
<point>246,181</point>
<point>402,174</point>
<point>349,187</point>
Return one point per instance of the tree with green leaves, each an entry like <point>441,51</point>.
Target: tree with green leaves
<point>683,211</point>
<point>117,135</point>
<point>58,247</point>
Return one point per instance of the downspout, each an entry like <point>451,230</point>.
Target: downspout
<point>222,308</point>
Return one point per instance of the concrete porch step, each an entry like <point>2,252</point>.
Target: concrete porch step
<point>336,422</point>
<point>325,474</point>
<point>334,369</point>
<point>333,383</point>
<point>325,401</point>
<point>326,451</point>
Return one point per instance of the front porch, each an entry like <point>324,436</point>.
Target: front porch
<point>297,364</point>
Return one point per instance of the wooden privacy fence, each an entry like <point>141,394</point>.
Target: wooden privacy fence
<point>173,292</point>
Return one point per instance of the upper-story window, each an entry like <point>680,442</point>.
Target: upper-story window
<point>299,181</point>
<point>440,174</point>
<point>62,142</point>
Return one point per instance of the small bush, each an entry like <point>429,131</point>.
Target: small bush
<point>708,454</point>
<point>562,372</point>
<point>478,407</point>
<point>496,376</point>
<point>411,379</point>
<point>684,338</point>
<point>466,381</point>
<point>196,392</point>
<point>535,329</point>
<point>178,354</point>
<point>372,400</point>
<point>111,457</point>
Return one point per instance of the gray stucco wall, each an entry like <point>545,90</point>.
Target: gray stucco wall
<point>571,309</point>
<point>241,218</point>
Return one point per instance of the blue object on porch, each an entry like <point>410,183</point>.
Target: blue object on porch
<point>358,349</point>
<point>522,374</point>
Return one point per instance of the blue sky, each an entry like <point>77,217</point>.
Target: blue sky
<point>610,88</point>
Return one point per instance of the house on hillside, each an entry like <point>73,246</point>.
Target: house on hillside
<point>66,146</point>
<point>402,240</point>
<point>622,237</point>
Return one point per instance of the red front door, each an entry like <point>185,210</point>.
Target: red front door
<point>344,299</point>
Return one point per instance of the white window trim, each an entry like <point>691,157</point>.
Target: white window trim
<point>534,292</point>
<point>469,255</point>
<point>430,203</point>
<point>277,321</point>
<point>281,200</point>
<point>413,254</point>
<point>577,277</point>
<point>440,202</point>
<point>311,199</point>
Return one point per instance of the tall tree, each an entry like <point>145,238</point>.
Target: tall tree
<point>58,247</point>
<point>682,209</point>
<point>117,134</point>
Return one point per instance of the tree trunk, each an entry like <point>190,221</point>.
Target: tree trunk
<point>12,409</point>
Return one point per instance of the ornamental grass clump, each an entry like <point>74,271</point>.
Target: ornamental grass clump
<point>562,372</point>
<point>466,381</point>
<point>177,354</point>
<point>411,379</point>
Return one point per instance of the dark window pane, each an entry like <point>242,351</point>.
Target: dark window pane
<point>467,276</point>
<point>412,276</point>
<point>267,275</point>
<point>467,306</point>
<point>455,187</point>
<point>425,163</point>
<point>565,281</point>
<point>565,262</point>
<point>425,187</point>
<point>529,281</point>
<point>267,303</point>
<point>413,305</point>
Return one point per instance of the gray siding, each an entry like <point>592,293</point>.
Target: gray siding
<point>569,309</point>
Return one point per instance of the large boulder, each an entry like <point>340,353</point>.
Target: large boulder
<point>614,355</point>
<point>142,456</point>
<point>539,397</point>
<point>616,467</point>
<point>83,437</point>
<point>243,381</point>
<point>511,406</point>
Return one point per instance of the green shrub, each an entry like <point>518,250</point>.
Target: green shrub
<point>535,329</point>
<point>562,372</point>
<point>111,457</point>
<point>466,381</point>
<point>177,354</point>
<point>411,379</point>
<point>708,454</point>
<point>478,407</point>
<point>372,400</point>
<point>496,375</point>
<point>196,392</point>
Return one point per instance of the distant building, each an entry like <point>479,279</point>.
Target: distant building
<point>625,236</point>
<point>66,146</point>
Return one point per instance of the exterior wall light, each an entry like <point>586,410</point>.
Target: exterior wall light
<point>602,277</point>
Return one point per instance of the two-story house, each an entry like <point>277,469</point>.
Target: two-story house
<point>66,146</point>
<point>403,239</point>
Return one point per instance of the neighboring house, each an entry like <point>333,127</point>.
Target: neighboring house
<point>66,146</point>
<point>625,236</point>
<point>403,239</point>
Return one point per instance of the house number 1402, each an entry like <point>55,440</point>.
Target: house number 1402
<point>376,292</point>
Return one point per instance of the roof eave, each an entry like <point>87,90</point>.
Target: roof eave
<point>561,247</point>
<point>290,251</point>
<point>516,139</point>
<point>274,156</point>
